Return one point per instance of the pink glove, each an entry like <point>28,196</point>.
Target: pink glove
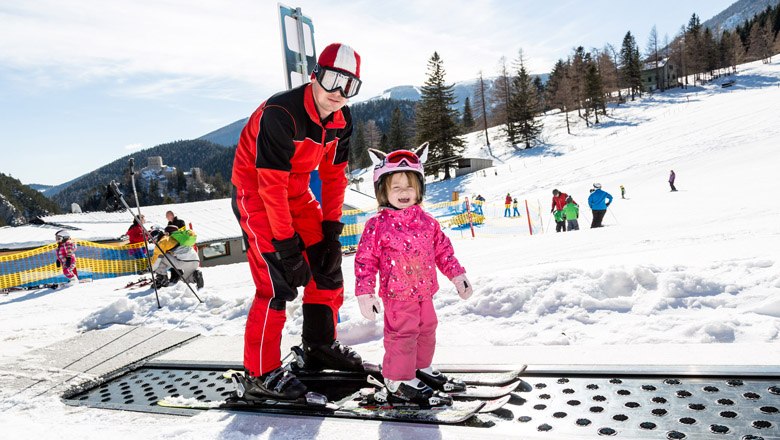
<point>369,306</point>
<point>463,285</point>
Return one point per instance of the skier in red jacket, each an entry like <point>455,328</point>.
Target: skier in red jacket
<point>292,240</point>
<point>558,202</point>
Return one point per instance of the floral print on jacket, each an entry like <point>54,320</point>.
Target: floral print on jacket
<point>405,247</point>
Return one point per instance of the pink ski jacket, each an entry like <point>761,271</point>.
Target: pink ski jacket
<point>405,247</point>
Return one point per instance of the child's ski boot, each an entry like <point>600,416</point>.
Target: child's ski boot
<point>414,392</point>
<point>438,381</point>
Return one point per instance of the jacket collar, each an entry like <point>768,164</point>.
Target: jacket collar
<point>401,214</point>
<point>336,119</point>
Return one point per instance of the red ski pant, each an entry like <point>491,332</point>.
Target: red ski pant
<point>264,325</point>
<point>410,337</point>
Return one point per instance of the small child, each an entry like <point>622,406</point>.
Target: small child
<point>515,211</point>
<point>622,192</point>
<point>571,211</point>
<point>405,245</point>
<point>66,256</point>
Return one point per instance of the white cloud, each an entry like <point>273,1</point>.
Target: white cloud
<point>217,48</point>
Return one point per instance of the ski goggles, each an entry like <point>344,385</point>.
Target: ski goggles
<point>400,155</point>
<point>331,80</point>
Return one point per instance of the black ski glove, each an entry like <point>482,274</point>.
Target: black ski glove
<point>296,270</point>
<point>68,260</point>
<point>57,262</point>
<point>331,246</point>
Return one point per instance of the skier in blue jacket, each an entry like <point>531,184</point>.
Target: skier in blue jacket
<point>598,201</point>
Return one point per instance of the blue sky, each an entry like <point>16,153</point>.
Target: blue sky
<point>84,82</point>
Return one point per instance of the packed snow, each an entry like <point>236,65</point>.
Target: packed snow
<point>696,266</point>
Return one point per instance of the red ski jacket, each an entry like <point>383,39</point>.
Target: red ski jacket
<point>281,144</point>
<point>135,234</point>
<point>559,201</point>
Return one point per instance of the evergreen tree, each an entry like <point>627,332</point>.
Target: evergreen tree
<point>559,90</point>
<point>437,119</point>
<point>468,117</point>
<point>358,157</point>
<point>630,65</point>
<point>523,107</point>
<point>594,90</point>
<point>396,137</point>
<point>577,78</point>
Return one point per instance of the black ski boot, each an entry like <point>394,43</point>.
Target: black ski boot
<point>174,278</point>
<point>404,392</point>
<point>277,384</point>
<point>199,279</point>
<point>333,356</point>
<point>438,381</point>
<point>320,349</point>
<point>161,281</point>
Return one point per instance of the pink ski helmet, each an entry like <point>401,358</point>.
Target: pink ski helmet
<point>397,161</point>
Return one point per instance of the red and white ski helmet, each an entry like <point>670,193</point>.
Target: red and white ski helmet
<point>398,161</point>
<point>339,56</point>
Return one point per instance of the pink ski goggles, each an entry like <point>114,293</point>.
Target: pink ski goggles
<point>399,160</point>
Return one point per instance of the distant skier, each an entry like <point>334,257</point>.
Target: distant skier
<point>515,211</point>
<point>405,245</point>
<point>571,212</point>
<point>478,202</point>
<point>672,176</point>
<point>599,201</point>
<point>507,205</point>
<point>558,202</point>
<point>622,192</point>
<point>66,256</point>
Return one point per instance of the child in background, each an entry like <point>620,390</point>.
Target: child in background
<point>507,205</point>
<point>405,245</point>
<point>571,211</point>
<point>515,211</point>
<point>66,256</point>
<point>622,192</point>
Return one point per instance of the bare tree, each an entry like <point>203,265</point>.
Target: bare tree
<point>652,55</point>
<point>480,109</point>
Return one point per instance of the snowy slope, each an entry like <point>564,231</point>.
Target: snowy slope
<point>696,266</point>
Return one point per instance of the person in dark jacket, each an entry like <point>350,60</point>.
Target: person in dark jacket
<point>174,223</point>
<point>598,201</point>
<point>672,176</point>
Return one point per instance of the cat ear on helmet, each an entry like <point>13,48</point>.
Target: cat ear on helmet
<point>422,152</point>
<point>376,156</point>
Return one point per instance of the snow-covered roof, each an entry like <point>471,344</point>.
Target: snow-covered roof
<point>212,220</point>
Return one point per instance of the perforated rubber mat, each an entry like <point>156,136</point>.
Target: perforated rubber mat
<point>571,406</point>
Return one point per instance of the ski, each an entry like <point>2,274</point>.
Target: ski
<point>492,378</point>
<point>141,282</point>
<point>486,391</point>
<point>356,406</point>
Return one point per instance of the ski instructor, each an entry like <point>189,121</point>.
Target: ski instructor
<point>292,240</point>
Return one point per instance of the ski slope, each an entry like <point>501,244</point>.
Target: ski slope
<point>699,266</point>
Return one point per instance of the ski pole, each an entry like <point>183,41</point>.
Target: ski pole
<point>613,216</point>
<point>131,162</point>
<point>114,188</point>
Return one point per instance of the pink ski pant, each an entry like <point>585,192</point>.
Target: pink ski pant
<point>410,337</point>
